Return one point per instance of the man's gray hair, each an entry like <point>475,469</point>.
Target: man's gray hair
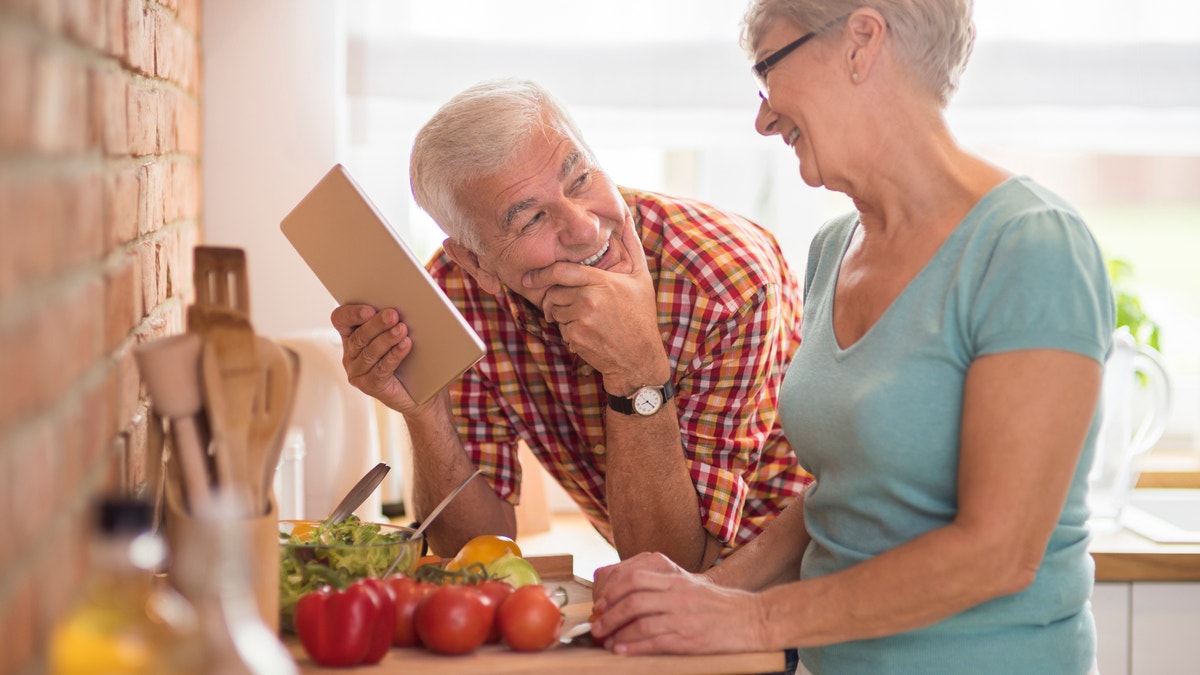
<point>933,38</point>
<point>473,136</point>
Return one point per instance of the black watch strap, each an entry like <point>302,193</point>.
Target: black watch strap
<point>624,404</point>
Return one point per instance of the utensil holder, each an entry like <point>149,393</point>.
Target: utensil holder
<point>261,550</point>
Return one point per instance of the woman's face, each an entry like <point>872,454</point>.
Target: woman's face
<point>797,87</point>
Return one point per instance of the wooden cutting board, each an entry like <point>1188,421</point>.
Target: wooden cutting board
<point>556,571</point>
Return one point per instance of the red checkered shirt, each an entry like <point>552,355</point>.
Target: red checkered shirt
<point>729,312</point>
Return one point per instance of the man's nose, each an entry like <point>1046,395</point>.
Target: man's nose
<point>579,225</point>
<point>766,121</point>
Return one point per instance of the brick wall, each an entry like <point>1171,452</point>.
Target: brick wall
<point>99,212</point>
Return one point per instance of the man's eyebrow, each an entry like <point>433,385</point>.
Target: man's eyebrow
<point>569,163</point>
<point>515,210</point>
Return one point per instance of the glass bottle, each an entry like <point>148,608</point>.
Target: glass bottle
<point>126,620</point>
<point>215,569</point>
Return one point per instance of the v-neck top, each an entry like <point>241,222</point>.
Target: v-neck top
<point>878,423</point>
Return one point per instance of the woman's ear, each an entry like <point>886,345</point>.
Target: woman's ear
<point>469,261</point>
<point>866,28</point>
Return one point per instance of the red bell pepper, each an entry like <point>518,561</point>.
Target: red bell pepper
<point>341,628</point>
<point>385,625</point>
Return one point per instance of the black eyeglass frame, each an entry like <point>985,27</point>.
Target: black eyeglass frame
<point>761,68</point>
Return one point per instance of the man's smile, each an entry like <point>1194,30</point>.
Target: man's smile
<point>593,259</point>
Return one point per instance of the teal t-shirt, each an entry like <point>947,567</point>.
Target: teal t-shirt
<point>878,425</point>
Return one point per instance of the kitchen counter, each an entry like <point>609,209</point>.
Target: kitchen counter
<point>556,571</point>
<point>1127,556</point>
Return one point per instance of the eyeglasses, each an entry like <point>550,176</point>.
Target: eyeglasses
<point>761,68</point>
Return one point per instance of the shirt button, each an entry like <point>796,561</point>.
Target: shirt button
<point>599,449</point>
<point>586,371</point>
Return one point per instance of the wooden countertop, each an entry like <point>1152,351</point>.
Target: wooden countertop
<point>1127,556</point>
<point>556,571</point>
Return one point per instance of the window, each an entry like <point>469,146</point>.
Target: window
<point>1099,101</point>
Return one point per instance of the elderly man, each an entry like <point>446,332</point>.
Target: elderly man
<point>635,342</point>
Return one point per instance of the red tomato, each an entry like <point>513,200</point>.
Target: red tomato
<point>383,629</point>
<point>454,619</point>
<point>496,592</point>
<point>408,592</point>
<point>529,619</point>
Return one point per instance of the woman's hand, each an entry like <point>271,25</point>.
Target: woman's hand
<point>650,605</point>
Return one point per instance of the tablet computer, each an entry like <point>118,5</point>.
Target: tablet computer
<point>360,259</point>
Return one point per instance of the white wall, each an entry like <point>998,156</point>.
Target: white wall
<point>272,98</point>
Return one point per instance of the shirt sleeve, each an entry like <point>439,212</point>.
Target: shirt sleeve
<point>1045,286</point>
<point>487,436</point>
<point>727,403</point>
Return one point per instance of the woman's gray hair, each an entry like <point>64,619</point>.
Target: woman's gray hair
<point>475,135</point>
<point>933,38</point>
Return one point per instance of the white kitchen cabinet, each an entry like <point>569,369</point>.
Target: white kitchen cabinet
<point>1165,628</point>
<point>1147,627</point>
<point>1110,607</point>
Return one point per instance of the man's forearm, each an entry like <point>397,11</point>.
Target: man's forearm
<point>652,502</point>
<point>440,464</point>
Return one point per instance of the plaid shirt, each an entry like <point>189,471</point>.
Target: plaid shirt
<point>729,311</point>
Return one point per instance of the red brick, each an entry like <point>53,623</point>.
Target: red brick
<point>85,20</point>
<point>136,38</point>
<point>165,121</point>
<point>148,273</point>
<point>60,110</point>
<point>121,199</point>
<point>16,94</point>
<point>109,113</point>
<point>142,116</point>
<point>21,394</point>
<point>101,421</point>
<point>79,236</point>
<point>128,389</point>
<point>164,39</point>
<point>9,474</point>
<point>189,16</point>
<point>187,122</point>
<point>115,23</point>
<point>122,301</point>
<point>150,200</point>
<point>33,212</point>
<point>71,338</point>
<point>32,454</point>
<point>139,454</point>
<point>17,624</point>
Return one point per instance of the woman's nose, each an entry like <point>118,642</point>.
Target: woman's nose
<point>765,122</point>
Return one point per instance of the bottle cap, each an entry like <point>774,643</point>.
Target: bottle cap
<point>123,515</point>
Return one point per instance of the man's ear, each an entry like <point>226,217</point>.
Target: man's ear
<point>469,261</point>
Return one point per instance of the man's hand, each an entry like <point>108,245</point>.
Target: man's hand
<point>610,319</point>
<point>373,345</point>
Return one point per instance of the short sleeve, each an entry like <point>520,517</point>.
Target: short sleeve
<point>1045,286</point>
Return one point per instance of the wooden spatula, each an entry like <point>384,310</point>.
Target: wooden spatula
<point>230,374</point>
<point>220,278</point>
<point>272,408</point>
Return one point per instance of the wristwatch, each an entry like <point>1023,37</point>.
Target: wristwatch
<point>645,401</point>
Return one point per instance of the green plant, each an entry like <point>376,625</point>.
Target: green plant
<point>1129,308</point>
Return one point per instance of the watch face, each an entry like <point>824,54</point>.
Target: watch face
<point>647,401</point>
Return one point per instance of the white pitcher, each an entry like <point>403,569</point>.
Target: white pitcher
<point>1135,380</point>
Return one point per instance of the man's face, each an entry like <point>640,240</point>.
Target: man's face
<point>550,204</point>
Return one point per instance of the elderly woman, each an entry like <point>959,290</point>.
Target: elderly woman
<point>945,393</point>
